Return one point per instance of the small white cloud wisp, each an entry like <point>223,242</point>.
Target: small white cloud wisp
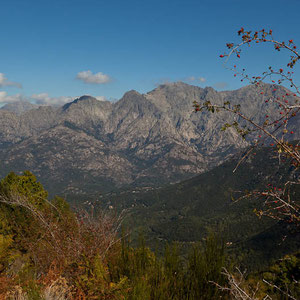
<point>5,82</point>
<point>89,77</point>
<point>41,99</point>
<point>196,79</point>
<point>45,99</point>
<point>101,98</point>
<point>4,98</point>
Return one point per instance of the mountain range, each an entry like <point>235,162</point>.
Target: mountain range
<point>141,140</point>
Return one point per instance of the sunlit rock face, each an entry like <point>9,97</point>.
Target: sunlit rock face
<point>155,138</point>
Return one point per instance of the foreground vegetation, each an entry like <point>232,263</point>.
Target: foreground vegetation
<point>48,251</point>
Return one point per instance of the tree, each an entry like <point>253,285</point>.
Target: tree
<point>280,198</point>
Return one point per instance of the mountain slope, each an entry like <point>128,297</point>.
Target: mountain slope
<point>143,139</point>
<point>184,212</point>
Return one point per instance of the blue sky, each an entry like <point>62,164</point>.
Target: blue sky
<point>53,49</point>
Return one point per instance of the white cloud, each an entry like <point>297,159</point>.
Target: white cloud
<point>89,77</point>
<point>101,98</point>
<point>41,99</point>
<point>197,79</point>
<point>4,98</point>
<point>5,82</point>
<point>45,99</point>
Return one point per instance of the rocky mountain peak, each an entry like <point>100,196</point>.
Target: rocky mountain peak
<point>85,99</point>
<point>132,94</point>
<point>132,99</point>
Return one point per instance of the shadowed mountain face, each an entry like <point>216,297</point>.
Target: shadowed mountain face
<point>143,139</point>
<point>185,212</point>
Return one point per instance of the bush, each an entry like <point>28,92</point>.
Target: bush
<point>55,253</point>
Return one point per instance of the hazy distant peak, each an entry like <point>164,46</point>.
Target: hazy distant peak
<point>19,107</point>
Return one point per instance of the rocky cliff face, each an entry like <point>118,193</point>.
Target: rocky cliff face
<point>154,138</point>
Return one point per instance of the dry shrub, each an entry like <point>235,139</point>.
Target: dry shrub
<point>61,247</point>
<point>58,290</point>
<point>5,284</point>
<point>63,236</point>
<point>16,293</point>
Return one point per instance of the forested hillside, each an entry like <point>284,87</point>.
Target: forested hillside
<point>185,212</point>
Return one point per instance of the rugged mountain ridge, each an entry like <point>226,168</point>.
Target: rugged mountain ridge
<point>142,139</point>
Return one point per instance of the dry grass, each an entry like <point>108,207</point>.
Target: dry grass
<point>58,290</point>
<point>16,293</point>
